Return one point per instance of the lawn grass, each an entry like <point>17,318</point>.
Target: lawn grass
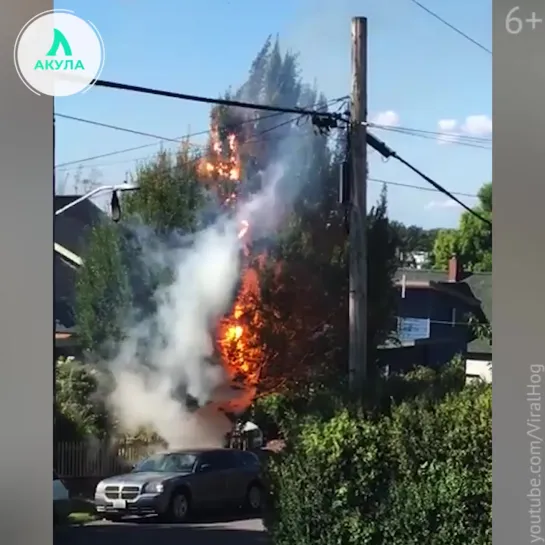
<point>75,511</point>
<point>81,518</point>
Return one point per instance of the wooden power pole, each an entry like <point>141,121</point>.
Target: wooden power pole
<point>358,209</point>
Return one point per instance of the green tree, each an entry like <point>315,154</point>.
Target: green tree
<point>382,243</point>
<point>102,289</point>
<point>303,296</point>
<point>113,278</point>
<point>412,239</point>
<point>170,194</point>
<point>471,241</point>
<point>78,411</point>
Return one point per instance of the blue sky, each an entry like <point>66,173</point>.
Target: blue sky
<point>421,73</point>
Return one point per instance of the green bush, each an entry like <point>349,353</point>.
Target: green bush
<point>419,475</point>
<point>78,410</point>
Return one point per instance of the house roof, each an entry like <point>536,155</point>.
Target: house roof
<point>71,228</point>
<point>481,286</point>
<point>475,286</point>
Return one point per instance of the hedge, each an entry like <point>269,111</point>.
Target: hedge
<point>421,474</point>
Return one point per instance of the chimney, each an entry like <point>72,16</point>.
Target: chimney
<point>454,269</point>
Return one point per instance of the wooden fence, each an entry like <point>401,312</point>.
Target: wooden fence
<point>97,458</point>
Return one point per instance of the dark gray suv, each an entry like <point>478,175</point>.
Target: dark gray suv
<point>174,484</point>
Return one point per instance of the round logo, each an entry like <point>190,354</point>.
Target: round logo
<point>58,54</point>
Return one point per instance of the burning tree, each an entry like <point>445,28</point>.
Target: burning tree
<point>288,325</point>
<point>288,322</point>
<point>281,322</point>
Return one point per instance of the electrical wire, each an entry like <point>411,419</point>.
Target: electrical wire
<point>442,138</point>
<point>215,101</point>
<point>443,190</point>
<point>160,138</point>
<point>144,146</point>
<point>315,115</point>
<point>259,135</point>
<point>451,26</point>
<point>448,322</point>
<point>387,152</point>
<point>419,187</point>
<point>447,138</point>
<point>118,128</point>
<point>469,138</point>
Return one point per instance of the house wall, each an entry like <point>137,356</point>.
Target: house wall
<point>447,334</point>
<point>402,359</point>
<point>479,369</point>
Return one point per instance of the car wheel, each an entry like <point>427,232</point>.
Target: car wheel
<point>254,497</point>
<point>179,507</point>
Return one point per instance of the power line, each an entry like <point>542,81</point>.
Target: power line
<point>160,138</point>
<point>439,137</point>
<point>144,146</point>
<point>468,137</point>
<point>259,135</point>
<point>403,130</point>
<point>448,322</point>
<point>216,101</point>
<point>447,137</point>
<point>318,119</point>
<point>451,26</point>
<point>419,187</point>
<point>118,128</point>
<point>387,152</point>
<point>255,138</point>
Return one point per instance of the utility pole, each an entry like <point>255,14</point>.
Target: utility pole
<point>358,209</point>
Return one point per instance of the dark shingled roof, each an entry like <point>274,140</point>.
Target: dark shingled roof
<point>71,228</point>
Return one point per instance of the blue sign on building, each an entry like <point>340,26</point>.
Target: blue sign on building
<point>413,329</point>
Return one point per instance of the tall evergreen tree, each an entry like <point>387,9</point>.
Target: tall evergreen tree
<point>303,296</point>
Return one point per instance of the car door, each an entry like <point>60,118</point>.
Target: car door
<point>210,484</point>
<point>236,476</point>
<point>246,471</point>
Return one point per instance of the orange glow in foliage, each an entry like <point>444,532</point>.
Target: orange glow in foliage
<point>241,359</point>
<point>224,161</point>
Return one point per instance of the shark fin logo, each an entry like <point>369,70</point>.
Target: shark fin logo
<point>59,41</point>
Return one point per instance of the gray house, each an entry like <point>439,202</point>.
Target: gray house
<point>433,314</point>
<point>70,233</point>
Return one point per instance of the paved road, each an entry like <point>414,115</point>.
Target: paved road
<point>149,532</point>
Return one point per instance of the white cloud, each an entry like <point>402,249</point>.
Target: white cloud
<point>477,126</point>
<point>447,125</point>
<point>445,203</point>
<point>388,118</point>
<point>447,130</point>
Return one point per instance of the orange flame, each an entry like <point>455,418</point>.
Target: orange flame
<point>240,357</point>
<point>224,161</point>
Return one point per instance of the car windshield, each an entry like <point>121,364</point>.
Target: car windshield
<point>167,463</point>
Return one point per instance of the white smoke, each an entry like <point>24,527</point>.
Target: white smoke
<point>170,356</point>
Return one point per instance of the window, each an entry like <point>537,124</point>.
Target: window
<point>247,459</point>
<point>172,462</point>
<point>218,460</point>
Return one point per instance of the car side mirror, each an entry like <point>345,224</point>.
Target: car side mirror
<point>204,468</point>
